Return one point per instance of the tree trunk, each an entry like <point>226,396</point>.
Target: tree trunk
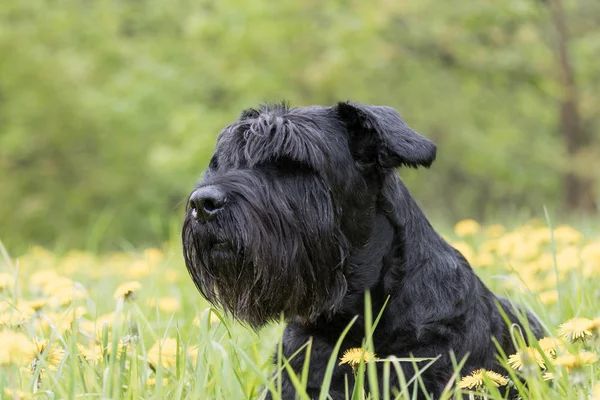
<point>579,192</point>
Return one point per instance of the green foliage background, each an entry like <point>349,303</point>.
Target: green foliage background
<point>109,108</point>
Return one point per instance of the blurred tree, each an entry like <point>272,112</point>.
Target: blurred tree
<point>109,108</point>
<point>579,191</point>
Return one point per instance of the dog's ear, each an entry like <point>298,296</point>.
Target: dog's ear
<point>379,135</point>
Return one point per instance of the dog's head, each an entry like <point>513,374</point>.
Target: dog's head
<point>287,195</point>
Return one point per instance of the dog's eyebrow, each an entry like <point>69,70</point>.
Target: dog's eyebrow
<point>287,137</point>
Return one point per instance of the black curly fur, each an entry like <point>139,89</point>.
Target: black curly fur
<point>315,216</point>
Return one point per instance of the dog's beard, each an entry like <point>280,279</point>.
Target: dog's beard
<point>260,259</point>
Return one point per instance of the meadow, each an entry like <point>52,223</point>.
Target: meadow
<point>132,325</point>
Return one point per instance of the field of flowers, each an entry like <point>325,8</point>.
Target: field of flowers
<point>132,325</point>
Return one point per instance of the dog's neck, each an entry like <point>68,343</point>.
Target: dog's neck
<point>402,242</point>
<point>421,245</point>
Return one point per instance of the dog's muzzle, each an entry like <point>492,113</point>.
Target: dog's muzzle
<point>206,202</point>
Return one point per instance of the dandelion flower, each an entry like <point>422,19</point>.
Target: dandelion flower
<point>37,304</point>
<point>51,355</point>
<point>152,382</point>
<point>93,355</point>
<point>576,360</point>
<point>17,394</point>
<point>171,275</point>
<point>57,285</point>
<point>13,319</point>
<point>549,346</point>
<point>15,348</point>
<point>43,277</point>
<point>354,356</point>
<point>127,290</point>
<point>494,231</point>
<point>476,380</point>
<point>467,227</point>
<point>96,327</point>
<point>526,357</point>
<point>596,392</point>
<point>138,269</point>
<point>549,297</point>
<point>567,234</point>
<point>61,321</point>
<point>7,282</point>
<point>168,304</point>
<point>577,329</point>
<point>466,250</point>
<point>154,256</point>
<point>167,351</point>
<point>591,253</point>
<point>484,260</point>
<point>548,376</point>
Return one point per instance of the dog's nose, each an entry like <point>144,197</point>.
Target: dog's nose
<point>206,202</point>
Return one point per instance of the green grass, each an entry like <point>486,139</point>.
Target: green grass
<point>205,355</point>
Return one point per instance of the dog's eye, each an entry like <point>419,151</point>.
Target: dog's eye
<point>213,164</point>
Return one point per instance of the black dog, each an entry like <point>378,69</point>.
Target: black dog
<point>300,212</point>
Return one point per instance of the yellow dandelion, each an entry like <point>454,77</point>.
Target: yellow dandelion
<point>549,297</point>
<point>524,251</point>
<point>548,376</point>
<point>171,275</point>
<point>16,394</point>
<point>153,255</point>
<point>167,351</point>
<point>15,348</point>
<point>576,360</point>
<point>466,250</point>
<point>526,357</point>
<point>96,327</point>
<point>65,296</point>
<point>93,355</point>
<point>43,352</point>
<point>7,282</point>
<point>567,259</point>
<point>63,321</point>
<point>476,381</point>
<point>494,231</point>
<point>14,318</point>
<point>138,269</point>
<point>577,329</point>
<point>41,278</point>
<point>467,227</point>
<point>37,304</point>
<point>127,290</point>
<point>123,346</point>
<point>63,291</point>
<point>168,304</point>
<point>57,285</point>
<point>152,381</point>
<point>76,261</point>
<point>549,346</point>
<point>567,234</point>
<point>596,392</point>
<point>484,260</point>
<point>591,253</point>
<point>355,355</point>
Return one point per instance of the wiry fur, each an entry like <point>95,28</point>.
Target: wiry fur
<point>315,216</point>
